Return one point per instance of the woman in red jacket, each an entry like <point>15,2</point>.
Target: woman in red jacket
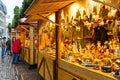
<point>15,50</point>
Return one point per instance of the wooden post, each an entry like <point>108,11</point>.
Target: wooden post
<point>24,38</point>
<point>58,41</point>
<point>31,45</point>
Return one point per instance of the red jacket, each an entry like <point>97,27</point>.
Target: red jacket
<point>16,46</point>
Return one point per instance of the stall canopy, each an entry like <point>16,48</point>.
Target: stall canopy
<point>25,25</point>
<point>22,27</point>
<point>39,9</point>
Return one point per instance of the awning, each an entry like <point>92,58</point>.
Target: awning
<point>22,27</point>
<point>45,8</point>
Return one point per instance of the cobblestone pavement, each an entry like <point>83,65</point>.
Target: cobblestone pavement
<point>7,70</point>
<point>24,73</point>
<point>20,71</point>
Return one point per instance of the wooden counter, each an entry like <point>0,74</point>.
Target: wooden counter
<point>25,55</point>
<point>68,70</point>
<point>80,72</point>
<point>35,58</point>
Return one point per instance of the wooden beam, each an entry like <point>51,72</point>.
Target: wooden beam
<point>31,46</point>
<point>46,19</point>
<point>55,2</point>
<point>58,44</point>
<point>25,28</point>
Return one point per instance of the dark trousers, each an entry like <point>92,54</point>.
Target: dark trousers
<point>8,51</point>
<point>3,52</point>
<point>15,58</point>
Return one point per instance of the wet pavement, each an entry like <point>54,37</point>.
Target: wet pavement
<point>20,71</point>
<point>7,70</point>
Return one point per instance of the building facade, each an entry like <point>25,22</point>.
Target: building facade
<point>3,12</point>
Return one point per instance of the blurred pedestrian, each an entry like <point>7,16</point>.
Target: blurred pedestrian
<point>3,46</point>
<point>15,50</point>
<point>0,42</point>
<point>8,47</point>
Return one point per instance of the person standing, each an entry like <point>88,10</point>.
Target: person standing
<point>8,49</point>
<point>15,51</point>
<point>0,42</point>
<point>3,46</point>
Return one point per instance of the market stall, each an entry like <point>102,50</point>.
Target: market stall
<point>79,46</point>
<point>29,41</point>
<point>35,41</point>
<point>68,44</point>
<point>23,32</point>
<point>47,44</point>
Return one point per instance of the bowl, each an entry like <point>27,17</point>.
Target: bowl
<point>106,69</point>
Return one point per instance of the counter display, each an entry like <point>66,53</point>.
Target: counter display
<point>83,73</point>
<point>97,58</point>
<point>73,70</point>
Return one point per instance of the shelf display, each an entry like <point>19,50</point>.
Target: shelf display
<point>103,58</point>
<point>27,42</point>
<point>36,42</point>
<point>77,43</point>
<point>47,37</point>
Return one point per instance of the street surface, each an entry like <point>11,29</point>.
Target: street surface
<point>20,71</point>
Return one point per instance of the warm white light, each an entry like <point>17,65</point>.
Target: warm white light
<point>74,8</point>
<point>82,10</point>
<point>112,13</point>
<point>52,17</point>
<point>92,2</point>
